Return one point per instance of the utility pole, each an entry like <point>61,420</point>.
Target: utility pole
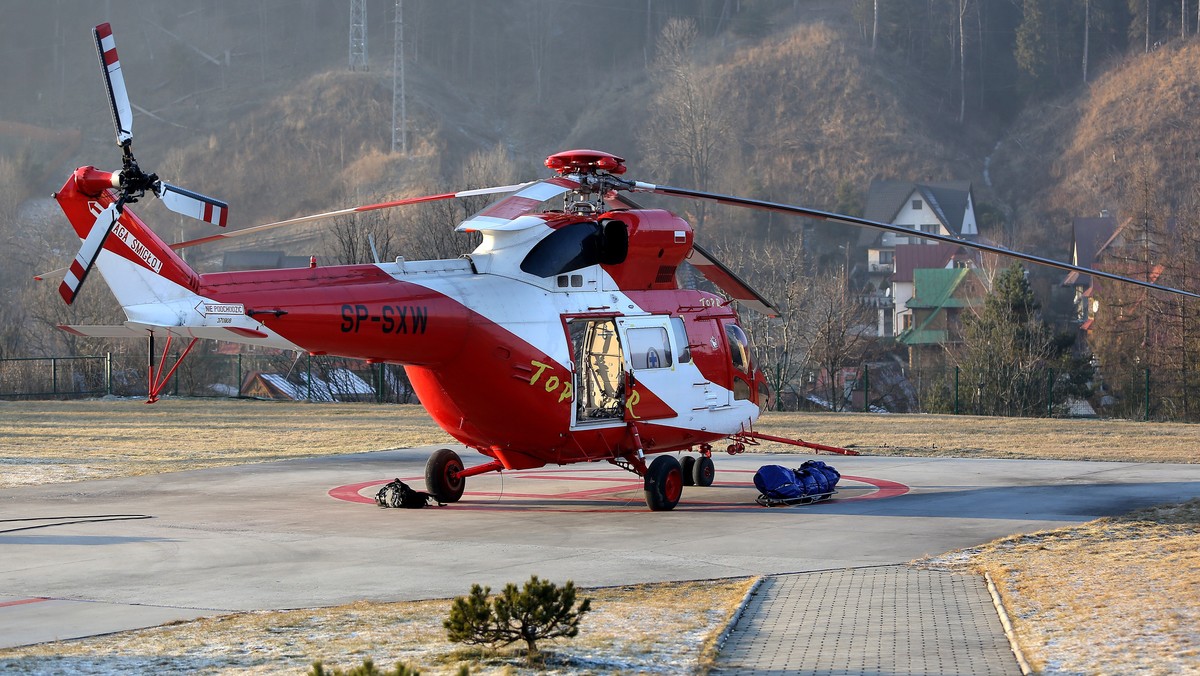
<point>358,35</point>
<point>399,127</point>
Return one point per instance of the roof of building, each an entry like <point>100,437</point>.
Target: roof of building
<point>910,257</point>
<point>936,289</point>
<point>1089,234</point>
<point>885,199</point>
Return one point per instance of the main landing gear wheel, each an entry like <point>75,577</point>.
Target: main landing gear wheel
<point>704,471</point>
<point>441,476</point>
<point>664,483</point>
<point>688,467</point>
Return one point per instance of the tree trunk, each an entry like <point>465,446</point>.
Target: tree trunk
<point>875,28</point>
<point>1146,18</point>
<point>962,62</point>
<point>1087,30</point>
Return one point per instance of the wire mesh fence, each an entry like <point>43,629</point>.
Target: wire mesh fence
<point>1140,394</point>
<point>264,376</point>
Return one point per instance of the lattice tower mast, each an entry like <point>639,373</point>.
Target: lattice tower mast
<point>358,35</point>
<point>399,113</point>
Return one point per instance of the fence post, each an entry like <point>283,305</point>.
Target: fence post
<point>1147,416</point>
<point>1050,394</point>
<point>239,375</point>
<point>866,388</point>
<point>956,411</point>
<point>54,375</point>
<point>108,373</point>
<point>310,376</point>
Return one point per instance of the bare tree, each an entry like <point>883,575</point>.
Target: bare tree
<point>1087,34</point>
<point>837,328</point>
<point>360,238</point>
<point>783,275</point>
<point>875,27</point>
<point>962,61</point>
<point>688,128</point>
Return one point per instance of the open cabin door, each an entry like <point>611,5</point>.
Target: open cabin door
<point>652,355</point>
<point>599,366</point>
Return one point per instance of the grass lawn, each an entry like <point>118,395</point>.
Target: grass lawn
<point>1109,596</point>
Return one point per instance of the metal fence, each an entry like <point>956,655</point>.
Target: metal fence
<point>1141,394</point>
<point>283,376</point>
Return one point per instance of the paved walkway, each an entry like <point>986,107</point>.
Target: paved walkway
<point>878,620</point>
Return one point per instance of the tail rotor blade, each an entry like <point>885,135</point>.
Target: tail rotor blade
<point>193,204</point>
<point>114,82</point>
<point>88,252</point>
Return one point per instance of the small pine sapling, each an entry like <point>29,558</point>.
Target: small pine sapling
<point>538,610</point>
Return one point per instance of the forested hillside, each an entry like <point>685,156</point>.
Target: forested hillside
<point>794,100</point>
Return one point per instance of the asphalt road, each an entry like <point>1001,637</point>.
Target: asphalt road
<point>100,556</point>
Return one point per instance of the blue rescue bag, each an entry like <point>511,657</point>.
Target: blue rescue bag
<point>811,482</point>
<point>778,483</point>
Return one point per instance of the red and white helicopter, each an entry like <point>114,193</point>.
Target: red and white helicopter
<point>563,338</point>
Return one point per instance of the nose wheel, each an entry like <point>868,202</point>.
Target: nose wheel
<point>697,471</point>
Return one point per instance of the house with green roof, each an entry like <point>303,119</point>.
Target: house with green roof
<point>940,296</point>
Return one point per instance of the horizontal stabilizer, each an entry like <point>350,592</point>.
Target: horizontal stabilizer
<point>235,334</point>
<point>95,331</point>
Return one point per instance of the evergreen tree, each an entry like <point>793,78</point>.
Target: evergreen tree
<point>538,610</point>
<point>1019,365</point>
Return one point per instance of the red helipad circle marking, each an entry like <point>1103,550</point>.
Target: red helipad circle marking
<point>620,484</point>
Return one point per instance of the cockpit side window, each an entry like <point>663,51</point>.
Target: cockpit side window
<point>739,347</point>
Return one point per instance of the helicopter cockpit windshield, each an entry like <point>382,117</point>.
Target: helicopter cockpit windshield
<point>741,356</point>
<point>578,245</point>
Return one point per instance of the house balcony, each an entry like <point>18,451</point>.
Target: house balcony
<point>877,302</point>
<point>886,268</point>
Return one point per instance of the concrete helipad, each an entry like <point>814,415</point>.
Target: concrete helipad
<point>85,558</point>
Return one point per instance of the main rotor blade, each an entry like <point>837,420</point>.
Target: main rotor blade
<point>503,212</point>
<point>344,212</point>
<point>192,204</point>
<point>898,229</point>
<point>114,83</point>
<point>716,272</point>
<point>88,252</point>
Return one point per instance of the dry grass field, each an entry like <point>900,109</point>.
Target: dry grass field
<point>663,628</point>
<point>1110,596</point>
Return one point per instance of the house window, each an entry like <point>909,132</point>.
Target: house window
<point>886,257</point>
<point>916,205</point>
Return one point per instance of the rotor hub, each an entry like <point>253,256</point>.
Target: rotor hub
<point>586,162</point>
